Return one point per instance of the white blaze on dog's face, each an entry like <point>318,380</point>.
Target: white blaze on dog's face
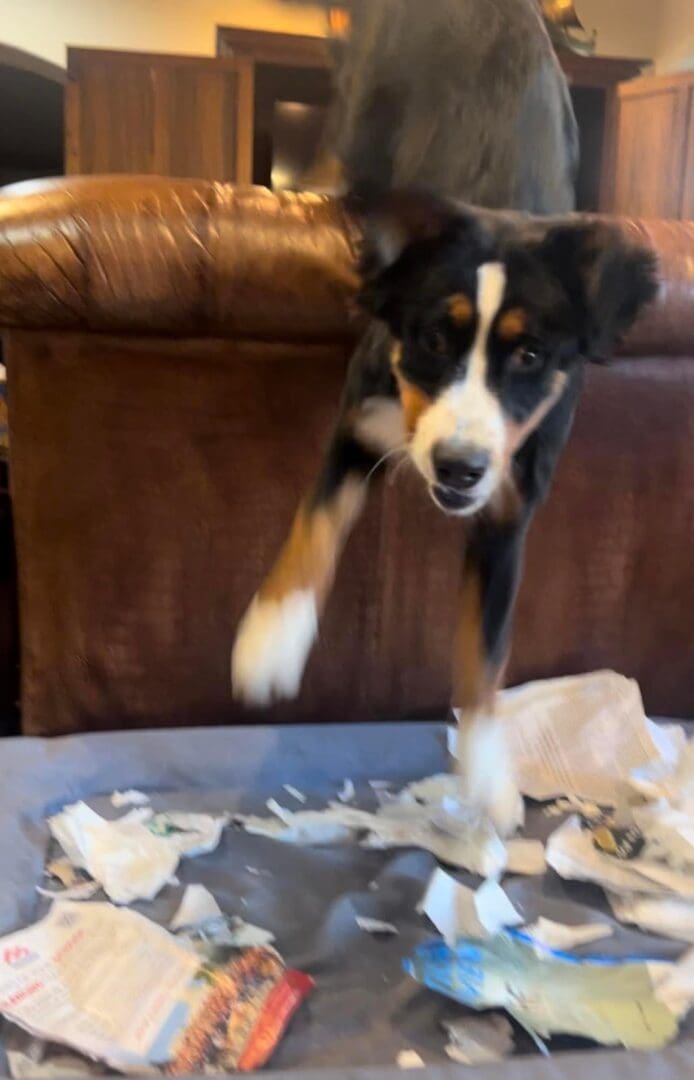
<point>491,313</point>
<point>465,423</point>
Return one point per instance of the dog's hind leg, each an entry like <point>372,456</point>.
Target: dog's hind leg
<point>278,630</point>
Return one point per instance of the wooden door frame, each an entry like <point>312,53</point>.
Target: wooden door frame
<point>272,47</point>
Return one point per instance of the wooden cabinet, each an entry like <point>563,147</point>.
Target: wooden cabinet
<point>292,68</point>
<point>654,147</point>
<point>214,118</point>
<point>147,113</point>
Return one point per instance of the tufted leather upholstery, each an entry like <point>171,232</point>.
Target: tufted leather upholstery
<point>175,352</point>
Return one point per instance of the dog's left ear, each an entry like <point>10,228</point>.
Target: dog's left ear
<point>608,278</point>
<point>396,228</point>
<point>393,221</point>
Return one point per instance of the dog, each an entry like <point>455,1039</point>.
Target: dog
<point>482,320</point>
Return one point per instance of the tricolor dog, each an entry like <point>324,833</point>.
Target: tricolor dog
<point>481,322</point>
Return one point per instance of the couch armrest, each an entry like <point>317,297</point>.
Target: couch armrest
<point>173,257</point>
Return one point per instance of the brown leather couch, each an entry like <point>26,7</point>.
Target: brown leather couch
<point>175,354</point>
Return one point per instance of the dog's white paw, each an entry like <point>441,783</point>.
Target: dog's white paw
<point>272,646</point>
<point>488,776</point>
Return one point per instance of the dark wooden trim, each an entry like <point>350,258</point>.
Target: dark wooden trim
<point>653,84</point>
<point>270,47</point>
<point>75,57</point>
<point>71,113</point>
<point>245,120</point>
<point>603,71</point>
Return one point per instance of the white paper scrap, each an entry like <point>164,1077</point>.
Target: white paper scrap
<point>457,911</point>
<point>582,735</point>
<point>674,984</point>
<point>375,926</point>
<point>245,935</point>
<point>571,853</point>
<point>131,797</point>
<point>525,857</point>
<point>134,857</point>
<point>129,862</point>
<point>401,822</point>
<point>672,776</point>
<point>197,906</point>
<point>295,793</point>
<point>479,1040</point>
<point>554,935</point>
<point>409,1059</point>
<point>129,972</point>
<point>309,827</point>
<point>346,794</point>
<point>665,915</point>
<point>669,832</point>
<point>190,835</point>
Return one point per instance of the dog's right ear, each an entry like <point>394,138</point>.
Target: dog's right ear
<point>395,226</point>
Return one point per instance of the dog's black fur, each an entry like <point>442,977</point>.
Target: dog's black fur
<point>465,98</point>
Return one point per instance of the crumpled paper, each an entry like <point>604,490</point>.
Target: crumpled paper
<point>419,816</point>
<point>582,735</point>
<point>571,852</point>
<point>133,857</point>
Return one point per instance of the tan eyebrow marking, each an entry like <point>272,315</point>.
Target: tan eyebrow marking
<point>460,308</point>
<point>512,324</point>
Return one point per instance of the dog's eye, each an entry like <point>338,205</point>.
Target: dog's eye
<point>527,360</point>
<point>434,341</point>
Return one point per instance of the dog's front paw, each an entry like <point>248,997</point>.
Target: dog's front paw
<point>488,775</point>
<point>272,646</point>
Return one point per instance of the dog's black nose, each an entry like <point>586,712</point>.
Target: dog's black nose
<point>460,470</point>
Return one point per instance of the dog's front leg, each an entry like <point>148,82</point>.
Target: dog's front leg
<point>491,574</point>
<point>276,634</point>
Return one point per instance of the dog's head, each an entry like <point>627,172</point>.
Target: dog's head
<point>490,312</point>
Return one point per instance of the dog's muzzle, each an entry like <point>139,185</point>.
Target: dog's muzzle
<point>460,477</point>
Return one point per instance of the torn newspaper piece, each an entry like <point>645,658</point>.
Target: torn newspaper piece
<point>457,911</point>
<point>526,857</point>
<point>116,987</point>
<point>664,915</point>
<point>554,935</point>
<point>674,984</point>
<point>671,777</point>
<point>136,855</point>
<point>571,852</point>
<point>582,735</point>
<point>668,832</point>
<point>417,817</point>
<point>610,1001</point>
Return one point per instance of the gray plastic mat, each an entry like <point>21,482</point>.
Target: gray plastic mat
<point>364,1010</point>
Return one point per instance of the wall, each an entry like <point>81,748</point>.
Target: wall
<point>675,46</point>
<point>625,27</point>
<point>659,29</point>
<point>46,27</point>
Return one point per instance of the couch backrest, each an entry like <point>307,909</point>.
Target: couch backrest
<point>175,357</point>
